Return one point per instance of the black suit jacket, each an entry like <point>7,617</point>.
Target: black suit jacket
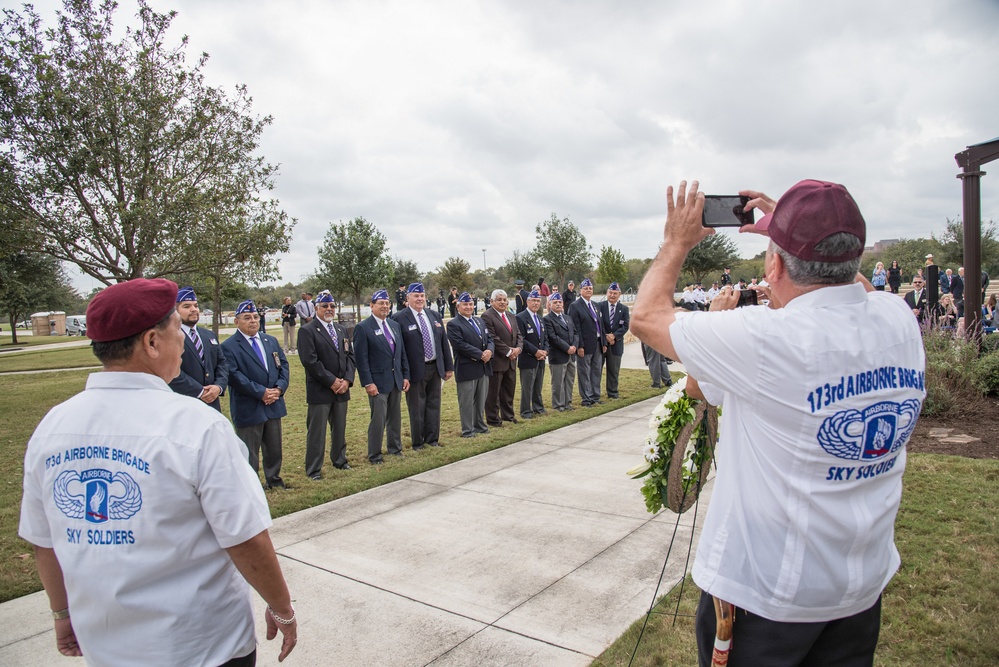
<point>195,374</point>
<point>534,340</point>
<point>957,287</point>
<point>376,362</point>
<point>590,337</point>
<point>468,346</point>
<point>324,364</point>
<point>619,327</point>
<point>921,305</point>
<point>412,337</point>
<point>561,336</point>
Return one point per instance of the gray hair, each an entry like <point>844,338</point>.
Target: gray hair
<point>807,273</point>
<point>498,292</point>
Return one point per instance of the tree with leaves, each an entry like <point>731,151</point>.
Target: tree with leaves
<point>610,266</point>
<point>454,273</point>
<point>712,254</point>
<point>562,248</point>
<point>526,266</point>
<point>30,282</point>
<point>951,244</point>
<point>405,272</point>
<point>354,258</point>
<point>118,149</point>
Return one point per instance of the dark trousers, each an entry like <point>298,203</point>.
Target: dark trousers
<point>532,382</point>
<point>590,367</point>
<point>759,642</point>
<point>499,400</point>
<point>319,417</point>
<point>658,368</point>
<point>424,402</point>
<point>613,363</point>
<point>386,413</point>
<point>265,437</point>
<point>248,660</point>
<point>472,405</point>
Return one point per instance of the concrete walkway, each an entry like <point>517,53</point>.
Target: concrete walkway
<point>537,553</point>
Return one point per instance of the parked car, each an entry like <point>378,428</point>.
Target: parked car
<point>76,325</point>
<point>24,324</point>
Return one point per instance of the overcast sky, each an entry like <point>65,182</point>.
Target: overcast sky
<point>458,126</point>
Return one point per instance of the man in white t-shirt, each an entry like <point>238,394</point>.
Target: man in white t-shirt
<point>799,532</point>
<point>146,519</point>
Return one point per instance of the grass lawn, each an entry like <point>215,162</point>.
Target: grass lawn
<point>36,360</point>
<point>938,608</point>
<point>28,341</point>
<point>24,400</point>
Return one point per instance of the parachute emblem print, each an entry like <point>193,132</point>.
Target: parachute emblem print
<point>870,434</point>
<point>88,495</point>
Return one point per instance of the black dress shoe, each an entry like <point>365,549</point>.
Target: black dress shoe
<point>469,435</point>
<point>434,444</point>
<point>316,477</point>
<point>540,412</point>
<point>485,430</point>
<point>276,484</point>
<point>528,416</point>
<point>496,425</point>
<point>513,421</point>
<point>417,448</point>
<point>345,466</point>
<point>377,462</point>
<point>395,453</point>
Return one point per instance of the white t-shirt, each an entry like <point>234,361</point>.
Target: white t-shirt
<point>139,490</point>
<point>820,398</point>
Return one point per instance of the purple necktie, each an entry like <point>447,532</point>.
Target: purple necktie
<point>196,339</point>
<point>256,348</point>
<point>596,320</point>
<point>537,325</point>
<point>336,343</point>
<point>428,342</point>
<point>388,336</point>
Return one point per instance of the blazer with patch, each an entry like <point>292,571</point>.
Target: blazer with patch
<point>325,363</point>
<point>590,337</point>
<point>376,362</point>
<point>561,336</point>
<point>248,379</point>
<point>534,340</point>
<point>619,327</point>
<point>412,336</point>
<point>468,345</point>
<point>196,374</point>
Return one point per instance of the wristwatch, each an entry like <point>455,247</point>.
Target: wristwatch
<point>61,614</point>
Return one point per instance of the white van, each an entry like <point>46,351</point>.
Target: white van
<point>76,325</point>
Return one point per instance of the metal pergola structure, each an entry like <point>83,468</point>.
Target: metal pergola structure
<point>971,161</point>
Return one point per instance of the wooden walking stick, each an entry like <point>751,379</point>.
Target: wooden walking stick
<point>724,618</point>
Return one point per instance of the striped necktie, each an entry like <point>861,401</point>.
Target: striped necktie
<point>196,339</point>
<point>336,342</point>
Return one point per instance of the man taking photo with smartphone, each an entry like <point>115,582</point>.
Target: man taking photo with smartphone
<point>799,532</point>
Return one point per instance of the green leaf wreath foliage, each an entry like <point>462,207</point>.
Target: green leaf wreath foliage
<point>675,411</point>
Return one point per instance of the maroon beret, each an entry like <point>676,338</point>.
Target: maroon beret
<point>810,212</point>
<point>128,308</point>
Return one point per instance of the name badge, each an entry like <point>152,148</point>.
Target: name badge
<point>214,342</point>
<point>413,327</point>
<point>530,330</point>
<point>437,324</point>
<point>378,332</point>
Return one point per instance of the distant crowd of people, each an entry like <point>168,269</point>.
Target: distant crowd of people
<point>948,311</point>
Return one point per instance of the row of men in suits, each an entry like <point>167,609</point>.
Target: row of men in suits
<point>409,353</point>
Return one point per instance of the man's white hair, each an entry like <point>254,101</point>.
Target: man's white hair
<point>498,292</point>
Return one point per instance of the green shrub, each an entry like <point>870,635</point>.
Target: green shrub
<point>952,376</point>
<point>987,371</point>
<point>990,343</point>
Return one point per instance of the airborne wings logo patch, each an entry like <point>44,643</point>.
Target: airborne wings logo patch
<point>96,495</point>
<point>870,434</point>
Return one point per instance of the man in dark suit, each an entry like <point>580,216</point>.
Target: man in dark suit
<point>615,319</point>
<point>429,355</point>
<point>569,295</point>
<point>473,349</point>
<point>916,299</point>
<point>509,344</point>
<point>383,369</point>
<point>258,379</point>
<point>204,373</point>
<point>325,352</point>
<point>531,363</point>
<point>590,353</point>
<point>562,344</point>
<point>957,289</point>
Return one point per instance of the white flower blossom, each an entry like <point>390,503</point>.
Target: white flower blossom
<point>651,453</point>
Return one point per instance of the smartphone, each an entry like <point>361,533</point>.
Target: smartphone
<point>726,211</point>
<point>747,297</point>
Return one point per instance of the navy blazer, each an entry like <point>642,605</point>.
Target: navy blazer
<point>196,374</point>
<point>376,362</point>
<point>468,345</point>
<point>323,362</point>
<point>561,336</point>
<point>590,337</point>
<point>619,327</point>
<point>534,340</point>
<point>248,379</point>
<point>413,339</point>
